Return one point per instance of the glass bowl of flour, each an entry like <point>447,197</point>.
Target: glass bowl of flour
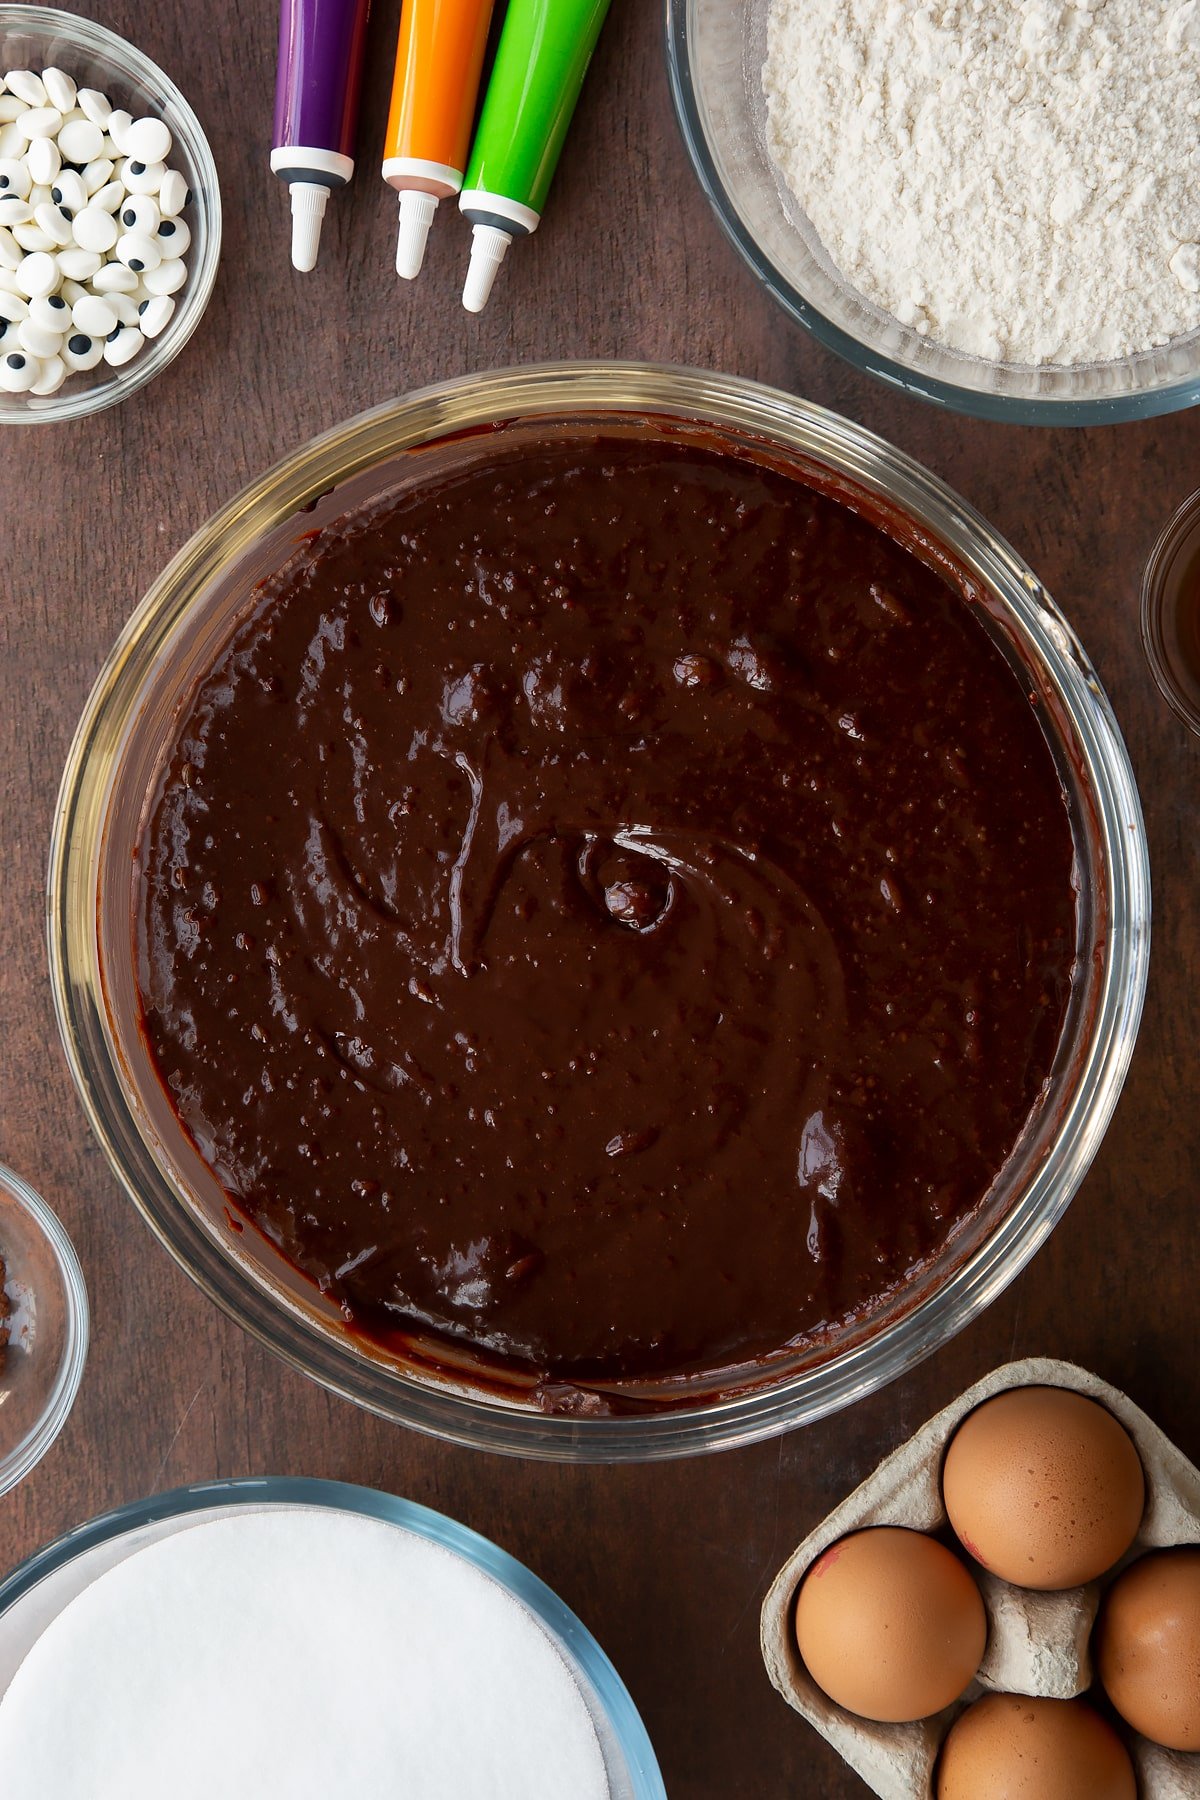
<point>994,207</point>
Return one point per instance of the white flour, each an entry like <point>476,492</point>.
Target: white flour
<point>1019,179</point>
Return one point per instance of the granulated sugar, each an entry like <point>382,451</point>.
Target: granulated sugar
<point>1018,179</point>
<point>297,1653</point>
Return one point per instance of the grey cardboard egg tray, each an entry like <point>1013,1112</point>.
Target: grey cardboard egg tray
<point>1038,1643</point>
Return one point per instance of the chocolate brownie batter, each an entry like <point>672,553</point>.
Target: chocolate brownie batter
<point>611,907</point>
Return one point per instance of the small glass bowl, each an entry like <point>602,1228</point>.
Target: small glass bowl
<point>1165,589</point>
<point>39,37</point>
<point>48,1329</point>
<point>40,1588</point>
<point>715,55</point>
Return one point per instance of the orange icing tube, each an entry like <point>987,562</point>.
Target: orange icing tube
<point>439,59</point>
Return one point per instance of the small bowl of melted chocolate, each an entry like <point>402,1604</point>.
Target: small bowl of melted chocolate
<point>43,1328</point>
<point>600,910</point>
<point>1171,612</point>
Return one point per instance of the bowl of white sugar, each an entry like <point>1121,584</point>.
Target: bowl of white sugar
<point>287,1639</point>
<point>110,217</point>
<point>994,206</point>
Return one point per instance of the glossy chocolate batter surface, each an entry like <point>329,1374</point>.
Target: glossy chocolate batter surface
<point>612,908</point>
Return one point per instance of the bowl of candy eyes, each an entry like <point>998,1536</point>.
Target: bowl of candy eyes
<point>110,217</point>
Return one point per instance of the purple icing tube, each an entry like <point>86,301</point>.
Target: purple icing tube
<point>321,44</point>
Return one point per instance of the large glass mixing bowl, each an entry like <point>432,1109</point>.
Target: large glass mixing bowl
<point>715,55</point>
<point>171,642</point>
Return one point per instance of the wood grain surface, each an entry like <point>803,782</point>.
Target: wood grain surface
<point>667,1565</point>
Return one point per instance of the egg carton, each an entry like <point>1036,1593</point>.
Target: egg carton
<point>1038,1643</point>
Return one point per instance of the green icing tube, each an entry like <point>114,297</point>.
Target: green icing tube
<point>542,58</point>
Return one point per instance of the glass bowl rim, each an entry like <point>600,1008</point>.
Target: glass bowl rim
<point>574,388</point>
<point>25,1455</point>
<point>1007,409</point>
<point>392,1509</point>
<point>90,35</point>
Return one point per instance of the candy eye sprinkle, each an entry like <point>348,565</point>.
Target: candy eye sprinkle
<point>18,373</point>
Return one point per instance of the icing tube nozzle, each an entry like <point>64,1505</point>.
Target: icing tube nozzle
<point>439,60</point>
<point>489,247</point>
<point>309,199</point>
<point>416,216</point>
<point>321,49</point>
<point>544,50</point>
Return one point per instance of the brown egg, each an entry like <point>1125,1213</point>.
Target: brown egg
<point>1009,1747</point>
<point>890,1624</point>
<point>1043,1487</point>
<point>1148,1652</point>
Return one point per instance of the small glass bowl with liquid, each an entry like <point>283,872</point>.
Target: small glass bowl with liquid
<point>47,1326</point>
<point>1171,612</point>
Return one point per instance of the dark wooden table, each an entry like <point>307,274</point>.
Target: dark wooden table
<point>667,1565</point>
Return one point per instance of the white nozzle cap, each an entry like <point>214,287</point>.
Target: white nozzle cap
<point>416,216</point>
<point>308,209</point>
<point>489,247</point>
